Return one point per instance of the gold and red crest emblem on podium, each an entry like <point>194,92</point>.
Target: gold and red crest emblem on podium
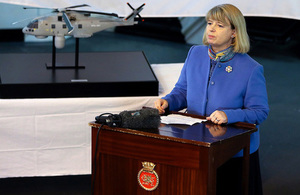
<point>147,177</point>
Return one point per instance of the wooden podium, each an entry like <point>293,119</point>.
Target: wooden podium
<point>186,158</point>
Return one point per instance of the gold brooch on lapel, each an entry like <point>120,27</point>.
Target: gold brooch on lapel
<point>228,69</point>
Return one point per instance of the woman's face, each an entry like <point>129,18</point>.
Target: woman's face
<point>219,35</point>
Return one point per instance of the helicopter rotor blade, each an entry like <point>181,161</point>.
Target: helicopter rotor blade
<point>69,8</point>
<point>34,8</point>
<point>141,6</point>
<point>139,9</point>
<point>59,9</point>
<point>21,21</point>
<point>129,16</point>
<point>140,17</point>
<point>67,21</point>
<point>29,19</point>
<point>99,13</point>
<point>75,6</point>
<point>130,6</point>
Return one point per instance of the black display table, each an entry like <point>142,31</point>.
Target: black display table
<point>105,74</point>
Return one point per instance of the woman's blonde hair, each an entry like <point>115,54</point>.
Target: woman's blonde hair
<point>241,43</point>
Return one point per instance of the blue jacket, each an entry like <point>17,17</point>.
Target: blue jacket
<point>241,93</point>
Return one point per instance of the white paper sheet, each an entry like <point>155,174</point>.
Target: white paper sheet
<point>180,119</point>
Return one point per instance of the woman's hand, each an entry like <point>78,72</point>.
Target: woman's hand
<point>218,117</point>
<point>161,105</point>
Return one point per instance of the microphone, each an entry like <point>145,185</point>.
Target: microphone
<point>147,118</point>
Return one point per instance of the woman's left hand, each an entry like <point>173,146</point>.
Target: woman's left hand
<point>218,117</point>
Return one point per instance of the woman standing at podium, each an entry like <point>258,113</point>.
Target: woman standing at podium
<point>221,81</point>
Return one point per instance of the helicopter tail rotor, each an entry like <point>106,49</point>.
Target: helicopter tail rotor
<point>135,11</point>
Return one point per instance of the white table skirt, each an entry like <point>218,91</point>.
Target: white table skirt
<point>49,137</point>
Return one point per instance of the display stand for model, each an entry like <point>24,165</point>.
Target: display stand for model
<point>53,65</point>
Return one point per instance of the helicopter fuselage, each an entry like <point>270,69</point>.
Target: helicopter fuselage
<point>77,24</point>
<point>84,26</point>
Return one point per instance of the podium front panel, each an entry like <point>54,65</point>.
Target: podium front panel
<point>185,158</point>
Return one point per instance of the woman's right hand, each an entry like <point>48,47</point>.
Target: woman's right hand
<point>161,105</point>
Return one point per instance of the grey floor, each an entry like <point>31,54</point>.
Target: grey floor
<point>280,145</point>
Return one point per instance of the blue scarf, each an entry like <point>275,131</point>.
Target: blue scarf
<point>221,56</point>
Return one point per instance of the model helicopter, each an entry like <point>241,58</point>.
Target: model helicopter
<point>79,24</point>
